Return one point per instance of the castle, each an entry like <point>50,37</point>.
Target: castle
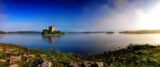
<point>51,29</point>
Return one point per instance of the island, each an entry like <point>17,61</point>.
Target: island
<point>110,32</point>
<point>51,31</point>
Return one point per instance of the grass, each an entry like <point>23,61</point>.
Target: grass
<point>132,56</point>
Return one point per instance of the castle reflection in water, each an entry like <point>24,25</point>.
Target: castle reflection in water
<point>51,38</point>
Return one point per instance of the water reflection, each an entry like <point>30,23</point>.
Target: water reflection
<point>52,38</point>
<point>80,43</point>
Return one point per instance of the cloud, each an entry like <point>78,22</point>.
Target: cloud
<point>124,15</point>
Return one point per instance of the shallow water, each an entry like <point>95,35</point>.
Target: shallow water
<point>80,43</point>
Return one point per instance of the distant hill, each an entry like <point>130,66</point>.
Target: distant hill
<point>24,32</point>
<point>88,32</point>
<point>141,32</point>
<point>2,32</point>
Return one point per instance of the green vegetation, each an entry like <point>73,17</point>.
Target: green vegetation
<point>132,56</point>
<point>46,32</point>
<point>141,32</point>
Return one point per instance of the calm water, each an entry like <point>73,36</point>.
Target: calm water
<point>81,43</point>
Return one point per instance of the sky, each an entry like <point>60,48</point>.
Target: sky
<point>79,15</point>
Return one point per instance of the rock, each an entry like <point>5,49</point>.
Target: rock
<point>14,65</point>
<point>15,58</point>
<point>73,64</point>
<point>99,64</point>
<point>6,52</point>
<point>92,64</point>
<point>1,49</point>
<point>31,55</point>
<point>25,55</point>
<point>87,63</point>
<point>43,55</point>
<point>2,60</point>
<point>45,64</point>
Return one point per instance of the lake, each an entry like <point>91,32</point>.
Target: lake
<point>95,43</point>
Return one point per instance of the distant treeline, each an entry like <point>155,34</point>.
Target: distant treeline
<point>2,32</point>
<point>84,32</point>
<point>37,32</point>
<point>141,32</point>
<point>110,32</point>
<point>20,32</point>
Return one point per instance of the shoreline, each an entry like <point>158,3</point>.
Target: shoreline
<point>133,55</point>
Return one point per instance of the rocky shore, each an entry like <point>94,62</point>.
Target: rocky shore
<point>133,55</point>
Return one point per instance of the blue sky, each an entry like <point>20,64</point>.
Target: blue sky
<point>71,15</point>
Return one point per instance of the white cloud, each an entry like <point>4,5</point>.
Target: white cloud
<point>124,16</point>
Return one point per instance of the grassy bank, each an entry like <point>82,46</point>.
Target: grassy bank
<point>133,55</point>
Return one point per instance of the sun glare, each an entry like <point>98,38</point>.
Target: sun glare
<point>151,19</point>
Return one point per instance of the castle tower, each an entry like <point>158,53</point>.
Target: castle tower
<point>51,28</point>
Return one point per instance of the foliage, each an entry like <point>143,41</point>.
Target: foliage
<point>46,32</point>
<point>132,56</point>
